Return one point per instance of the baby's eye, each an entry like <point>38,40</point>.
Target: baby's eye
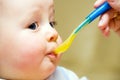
<point>52,24</point>
<point>33,26</point>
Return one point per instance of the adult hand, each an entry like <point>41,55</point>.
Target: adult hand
<point>110,19</point>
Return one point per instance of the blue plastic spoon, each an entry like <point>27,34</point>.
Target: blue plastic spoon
<point>93,15</point>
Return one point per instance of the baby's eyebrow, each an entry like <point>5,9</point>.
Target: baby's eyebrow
<point>51,10</point>
<point>51,7</point>
<point>33,15</point>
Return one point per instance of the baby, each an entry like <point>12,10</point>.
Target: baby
<point>27,41</point>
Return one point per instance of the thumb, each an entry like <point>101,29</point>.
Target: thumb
<point>115,4</point>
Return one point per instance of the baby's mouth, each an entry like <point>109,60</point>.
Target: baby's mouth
<point>53,57</point>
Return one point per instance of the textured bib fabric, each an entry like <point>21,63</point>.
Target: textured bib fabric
<point>64,74</point>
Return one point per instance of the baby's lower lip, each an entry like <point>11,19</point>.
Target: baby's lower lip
<point>52,56</point>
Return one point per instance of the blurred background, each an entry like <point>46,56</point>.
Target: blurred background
<point>91,54</point>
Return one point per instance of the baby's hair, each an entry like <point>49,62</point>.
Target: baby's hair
<point>0,5</point>
<point>0,2</point>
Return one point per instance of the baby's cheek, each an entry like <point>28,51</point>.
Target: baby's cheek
<point>28,60</point>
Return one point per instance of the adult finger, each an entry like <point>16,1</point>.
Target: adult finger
<point>115,4</point>
<point>98,3</point>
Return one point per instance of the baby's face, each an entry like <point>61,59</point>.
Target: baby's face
<point>27,39</point>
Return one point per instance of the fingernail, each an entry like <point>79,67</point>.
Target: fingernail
<point>100,23</point>
<point>107,31</point>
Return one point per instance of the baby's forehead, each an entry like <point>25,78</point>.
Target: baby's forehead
<point>25,3</point>
<point>12,7</point>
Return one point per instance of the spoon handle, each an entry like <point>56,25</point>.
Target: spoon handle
<point>98,11</point>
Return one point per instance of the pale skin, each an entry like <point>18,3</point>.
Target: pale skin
<point>110,20</point>
<point>27,39</point>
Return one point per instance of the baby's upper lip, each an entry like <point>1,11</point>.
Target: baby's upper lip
<point>52,53</point>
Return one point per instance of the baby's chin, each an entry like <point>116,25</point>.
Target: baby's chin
<point>49,63</point>
<point>47,67</point>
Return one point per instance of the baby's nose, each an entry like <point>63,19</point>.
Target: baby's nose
<point>52,35</point>
<point>52,38</point>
